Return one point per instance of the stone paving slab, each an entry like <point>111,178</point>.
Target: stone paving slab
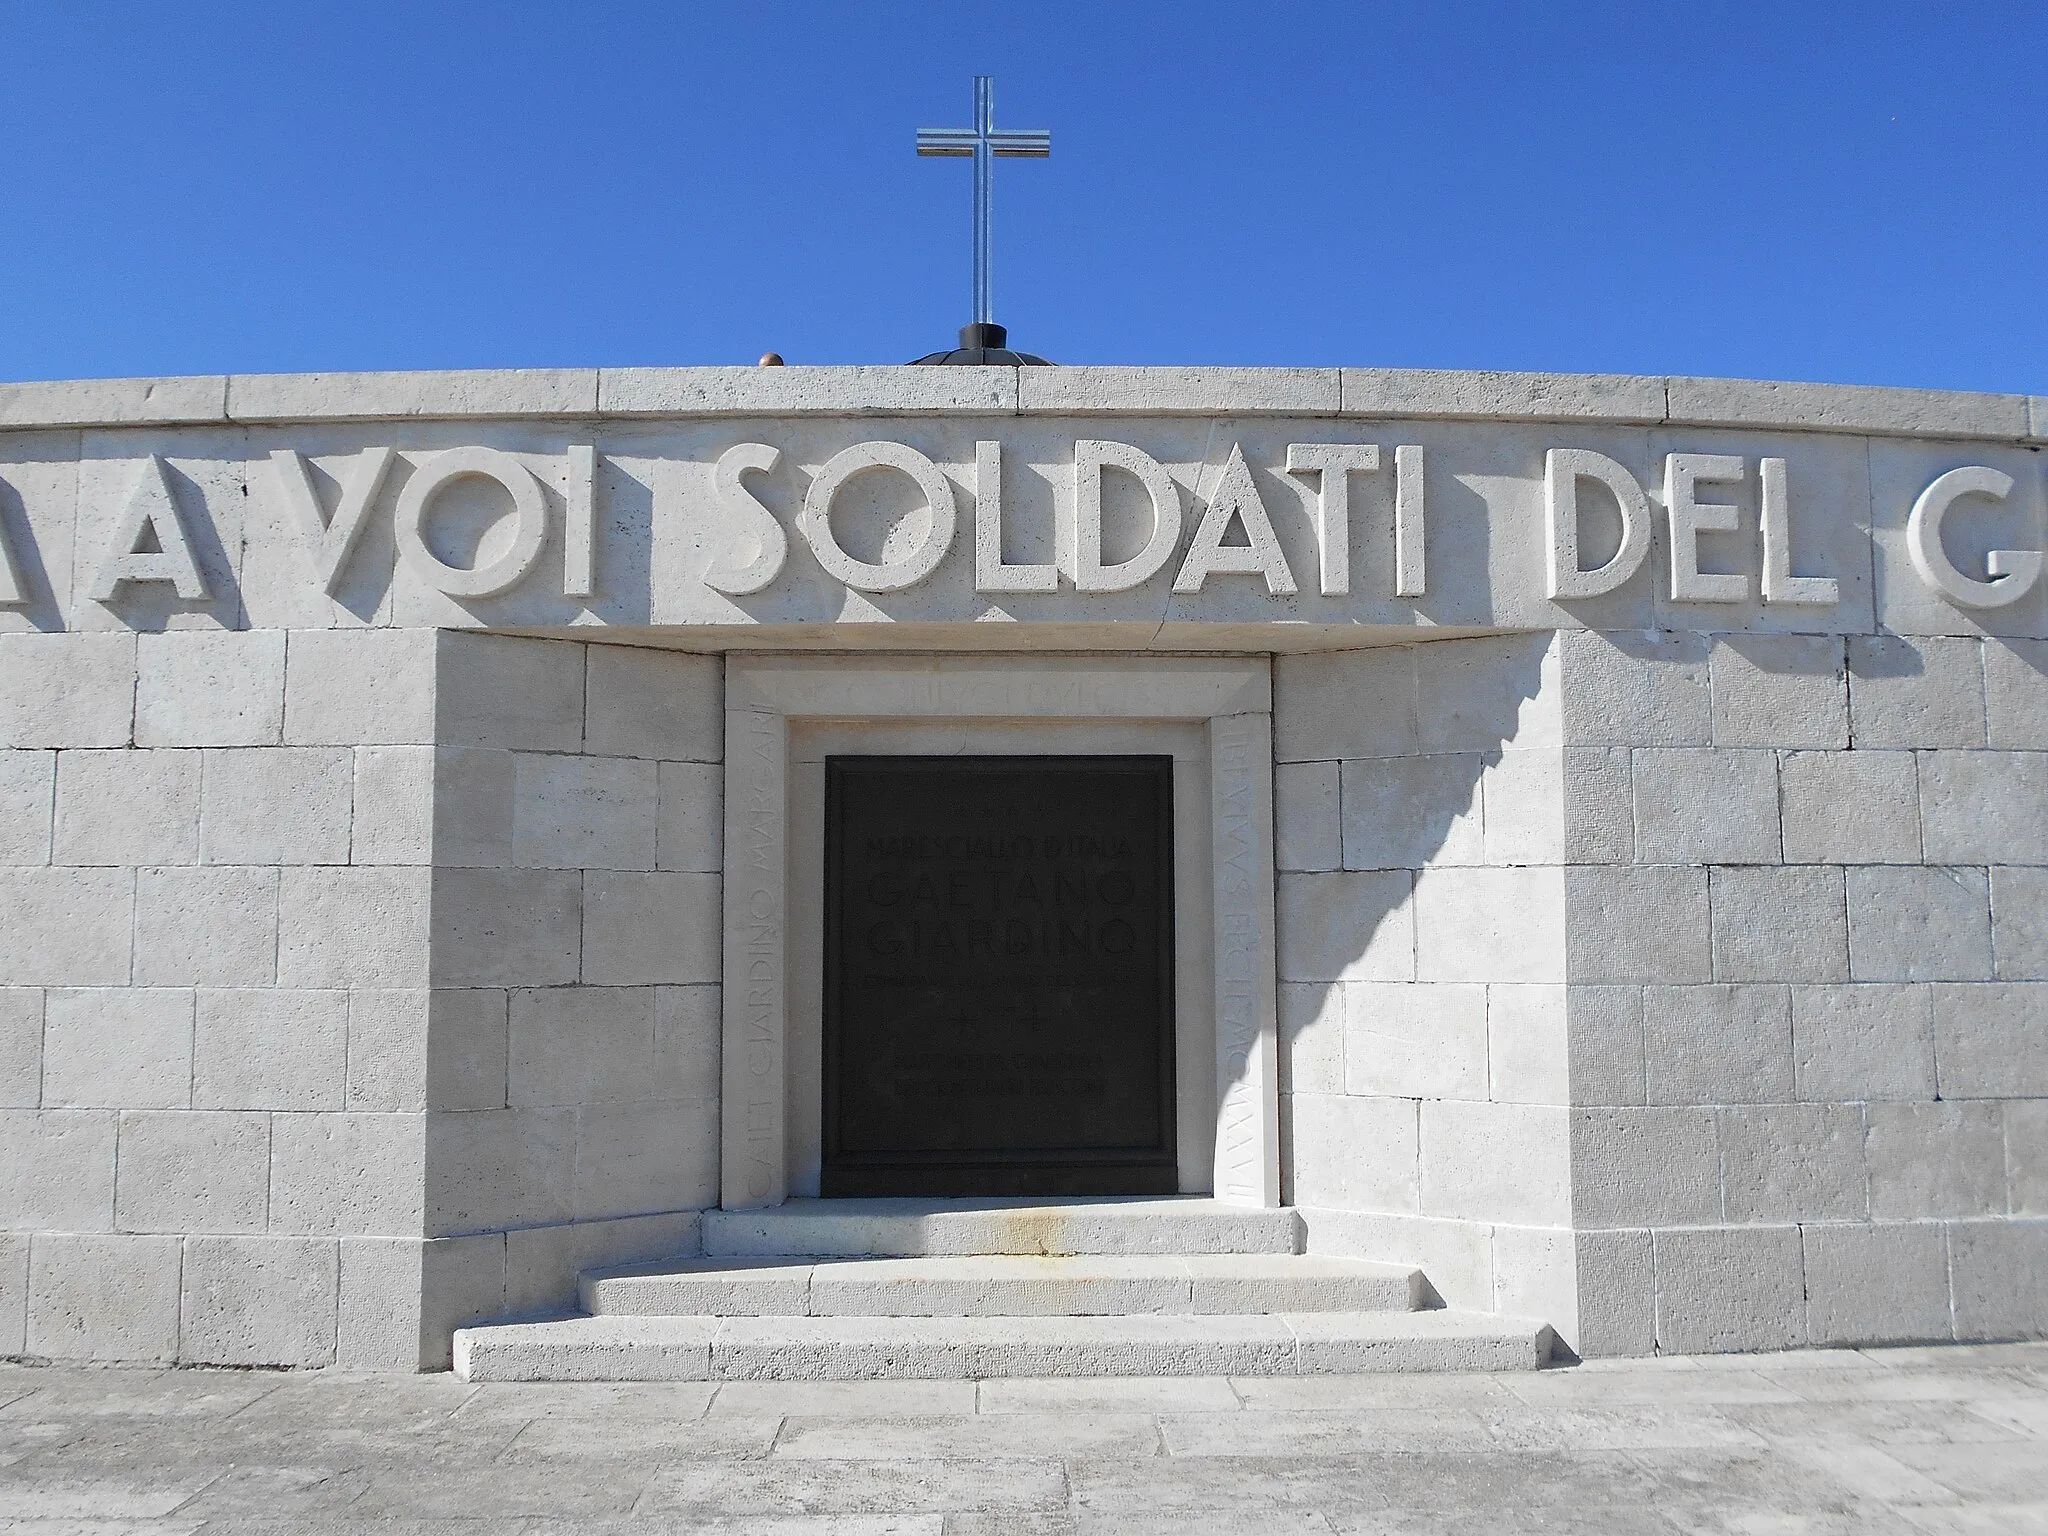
<point>1921,1442</point>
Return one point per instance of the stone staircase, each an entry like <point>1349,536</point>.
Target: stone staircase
<point>847,1290</point>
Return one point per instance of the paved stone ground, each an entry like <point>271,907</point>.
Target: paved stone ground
<point>1907,1441</point>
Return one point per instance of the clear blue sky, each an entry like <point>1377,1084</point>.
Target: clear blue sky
<point>1792,190</point>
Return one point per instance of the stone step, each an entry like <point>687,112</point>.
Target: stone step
<point>1088,1285</point>
<point>921,1228</point>
<point>874,1348</point>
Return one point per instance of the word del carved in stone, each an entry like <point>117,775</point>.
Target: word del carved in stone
<point>1233,533</point>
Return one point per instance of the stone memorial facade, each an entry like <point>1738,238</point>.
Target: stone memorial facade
<point>1592,842</point>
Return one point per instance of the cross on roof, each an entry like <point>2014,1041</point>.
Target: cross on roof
<point>984,141</point>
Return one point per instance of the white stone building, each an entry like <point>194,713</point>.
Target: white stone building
<point>1608,824</point>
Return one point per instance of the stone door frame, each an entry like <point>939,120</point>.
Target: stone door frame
<point>1230,699</point>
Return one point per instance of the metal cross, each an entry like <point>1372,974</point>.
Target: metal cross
<point>984,142</point>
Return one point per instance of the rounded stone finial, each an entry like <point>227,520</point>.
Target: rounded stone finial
<point>771,359</point>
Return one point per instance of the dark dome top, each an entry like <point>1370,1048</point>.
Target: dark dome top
<point>982,345</point>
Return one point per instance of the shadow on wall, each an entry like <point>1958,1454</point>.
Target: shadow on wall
<point>1389,762</point>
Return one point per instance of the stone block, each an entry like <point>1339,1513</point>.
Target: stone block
<point>1307,831</point>
<point>691,838</point>
<point>1988,1040</point>
<point>1779,924</point>
<point>1636,1166</point>
<point>1617,1300</point>
<point>359,687</point>
<point>67,690</point>
<point>409,396</point>
<point>1604,1042</point>
<point>66,927</point>
<point>2026,1157</point>
<point>1486,394</point>
<point>1490,925</point>
<point>21,1047</point>
<point>1699,805</point>
<point>1930,1160</point>
<point>189,1170</point>
<point>1722,1289</point>
<point>413,1049</point>
<point>645,929</point>
<point>13,1294</point>
<point>269,1048</point>
<point>687,1031</point>
<point>1975,807</point>
<point>1915,691</point>
<point>57,1170</point>
<point>1496,1162</point>
<point>118,1048</point>
<point>581,1045</point>
<point>1353,1154</point>
<point>259,1301</point>
<point>1525,805</point>
<point>103,1296</point>
<point>1857,807</point>
<point>658,704</point>
<point>127,807</point>
<point>1844,407</point>
<point>278,805</point>
<point>1780,691</point>
<point>1528,1044</point>
<point>1717,1044</point>
<point>2019,924</point>
<point>110,402</point>
<point>1640,924</point>
<point>402,1298</point>
<point>1406,812</point>
<point>353,927</point>
<point>508,691</point>
<point>1597,786</point>
<point>583,812</point>
<point>499,1168</point>
<point>28,797</point>
<point>206,927</point>
<point>201,688</point>
<point>1404,1040</point>
<point>637,1158</point>
<point>1995,1270</point>
<point>1793,1162</point>
<point>804,390</point>
<point>542,1263</point>
<point>1312,1036</point>
<point>394,806</point>
<point>348,1175</point>
<point>1876,1284</point>
<point>1483,694</point>
<point>472,807</point>
<point>1869,1041</point>
<point>1345,704</point>
<point>1348,926</point>
<point>1919,924</point>
<point>2016,694</point>
<point>510,927</point>
<point>1535,1274</point>
<point>1098,390</point>
<point>1636,689</point>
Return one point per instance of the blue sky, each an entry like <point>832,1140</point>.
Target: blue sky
<point>1793,191</point>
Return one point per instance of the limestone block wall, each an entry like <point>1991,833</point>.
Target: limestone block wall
<point>1808,1009</point>
<point>321,984</point>
<point>1421,847</point>
<point>576,960</point>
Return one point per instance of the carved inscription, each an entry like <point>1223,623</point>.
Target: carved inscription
<point>998,1006</point>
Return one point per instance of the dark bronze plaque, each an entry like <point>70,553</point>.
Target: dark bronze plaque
<point>998,976</point>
